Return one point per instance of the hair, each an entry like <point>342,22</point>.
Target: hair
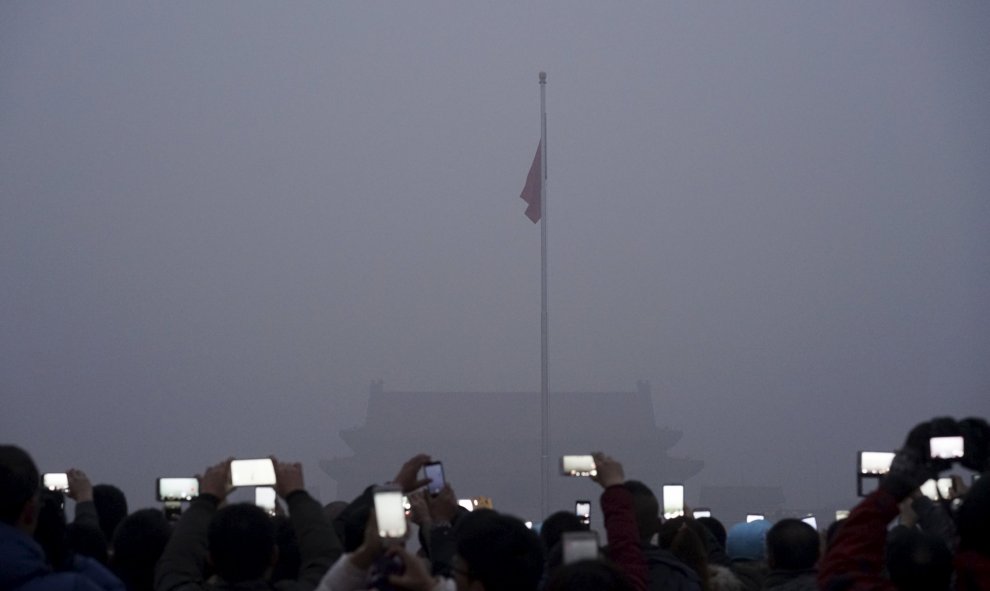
<point>554,527</point>
<point>18,482</point>
<point>111,507</point>
<point>645,507</point>
<point>589,575</point>
<point>684,540</point>
<point>715,527</point>
<point>918,561</point>
<point>500,551</point>
<point>241,539</point>
<point>792,545</point>
<point>138,543</point>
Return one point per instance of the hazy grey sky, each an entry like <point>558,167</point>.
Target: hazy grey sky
<point>219,221</point>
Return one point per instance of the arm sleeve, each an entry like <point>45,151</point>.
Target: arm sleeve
<point>86,515</point>
<point>935,519</point>
<point>442,546</point>
<point>623,536</point>
<point>319,547</point>
<point>184,559</point>
<point>856,558</point>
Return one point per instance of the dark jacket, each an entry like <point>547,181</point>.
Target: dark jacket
<point>667,573</point>
<point>751,573</point>
<point>181,567</point>
<point>23,568</point>
<point>792,580</point>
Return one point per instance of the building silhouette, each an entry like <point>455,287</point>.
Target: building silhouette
<point>489,442</point>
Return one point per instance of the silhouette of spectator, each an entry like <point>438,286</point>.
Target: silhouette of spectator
<point>793,548</point>
<point>24,565</point>
<point>861,552</point>
<point>137,545</point>
<point>745,543</point>
<point>589,575</point>
<point>240,539</point>
<point>666,571</point>
<point>111,508</point>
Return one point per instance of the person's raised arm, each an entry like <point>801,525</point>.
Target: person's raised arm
<point>182,564</point>
<point>319,546</point>
<point>855,559</point>
<point>621,530</point>
<point>81,491</point>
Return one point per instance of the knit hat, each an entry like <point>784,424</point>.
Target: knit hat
<point>747,541</point>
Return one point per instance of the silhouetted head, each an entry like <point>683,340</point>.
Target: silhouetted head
<point>715,527</point>
<point>589,575</point>
<point>555,526</point>
<point>918,561</point>
<point>498,551</point>
<point>241,540</point>
<point>19,486</point>
<point>111,506</point>
<point>792,545</point>
<point>683,538</point>
<point>646,509</point>
<point>137,544</point>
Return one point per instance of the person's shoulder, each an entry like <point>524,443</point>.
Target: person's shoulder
<point>61,581</point>
<point>100,575</point>
<point>669,572</point>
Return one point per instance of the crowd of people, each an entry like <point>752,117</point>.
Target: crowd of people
<point>895,538</point>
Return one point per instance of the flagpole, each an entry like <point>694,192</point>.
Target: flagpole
<point>544,314</point>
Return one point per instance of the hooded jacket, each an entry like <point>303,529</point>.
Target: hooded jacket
<point>23,568</point>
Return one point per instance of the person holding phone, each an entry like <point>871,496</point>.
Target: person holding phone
<point>240,538</point>
<point>621,532</point>
<point>860,553</point>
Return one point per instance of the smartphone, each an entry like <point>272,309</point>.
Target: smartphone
<point>579,545</point>
<point>841,514</point>
<point>264,497</point>
<point>58,481</point>
<point>466,503</point>
<point>578,466</point>
<point>434,471</point>
<point>252,472</point>
<point>934,488</point>
<point>673,500</point>
<point>701,512</point>
<point>875,463</point>
<point>946,448</point>
<point>583,510</point>
<point>810,520</point>
<point>390,513</point>
<point>751,517</point>
<point>176,489</point>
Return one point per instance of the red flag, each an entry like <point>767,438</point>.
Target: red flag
<point>531,192</point>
